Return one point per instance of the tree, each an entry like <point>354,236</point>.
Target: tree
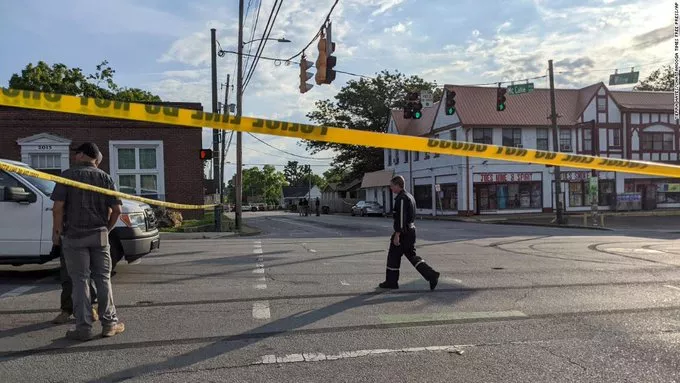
<point>364,104</point>
<point>61,79</point>
<point>661,79</point>
<point>302,175</point>
<point>336,175</point>
<point>259,185</point>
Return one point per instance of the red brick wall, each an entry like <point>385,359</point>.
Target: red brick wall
<point>183,168</point>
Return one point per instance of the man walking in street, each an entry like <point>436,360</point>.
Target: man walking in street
<point>317,202</point>
<point>82,221</point>
<point>403,241</point>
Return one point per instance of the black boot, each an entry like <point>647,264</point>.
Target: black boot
<point>428,273</point>
<point>391,280</point>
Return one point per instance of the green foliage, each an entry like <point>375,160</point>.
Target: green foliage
<point>259,185</point>
<point>364,104</point>
<point>61,79</point>
<point>301,175</point>
<point>661,79</point>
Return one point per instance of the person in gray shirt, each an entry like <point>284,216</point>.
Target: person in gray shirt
<point>82,220</point>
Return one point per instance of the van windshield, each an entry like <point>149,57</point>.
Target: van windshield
<point>45,186</point>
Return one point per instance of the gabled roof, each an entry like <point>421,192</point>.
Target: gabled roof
<point>295,192</point>
<point>412,127</point>
<point>476,105</point>
<point>644,100</point>
<point>377,179</point>
<point>43,136</point>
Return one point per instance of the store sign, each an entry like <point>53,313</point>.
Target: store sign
<point>506,177</point>
<point>670,188</point>
<point>575,176</point>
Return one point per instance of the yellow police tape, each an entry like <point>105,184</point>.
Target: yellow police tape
<point>188,118</point>
<point>46,176</point>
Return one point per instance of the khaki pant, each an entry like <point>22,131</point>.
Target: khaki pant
<point>90,257</point>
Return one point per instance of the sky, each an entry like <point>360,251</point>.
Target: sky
<point>164,46</point>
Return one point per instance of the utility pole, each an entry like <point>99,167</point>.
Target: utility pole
<point>556,146</point>
<point>594,184</point>
<point>223,153</point>
<point>216,134</point>
<point>239,112</point>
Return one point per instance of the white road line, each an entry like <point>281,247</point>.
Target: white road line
<point>672,287</point>
<point>261,310</point>
<point>319,357</point>
<point>261,286</point>
<point>18,291</point>
<point>344,283</point>
<point>257,251</point>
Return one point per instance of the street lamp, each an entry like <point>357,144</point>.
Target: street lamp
<point>281,40</point>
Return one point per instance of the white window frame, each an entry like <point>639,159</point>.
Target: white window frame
<point>160,163</point>
<point>45,143</point>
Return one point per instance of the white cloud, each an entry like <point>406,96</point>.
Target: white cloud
<point>386,5</point>
<point>400,28</point>
<point>475,33</point>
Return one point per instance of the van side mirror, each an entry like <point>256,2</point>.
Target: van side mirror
<point>19,194</point>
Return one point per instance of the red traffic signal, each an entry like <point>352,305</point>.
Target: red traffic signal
<point>206,154</point>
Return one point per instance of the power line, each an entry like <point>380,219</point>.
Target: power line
<point>265,38</point>
<point>254,28</point>
<point>259,45</point>
<point>326,20</point>
<point>289,153</point>
<point>278,165</point>
<point>279,61</point>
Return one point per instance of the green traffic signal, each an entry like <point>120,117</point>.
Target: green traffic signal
<point>450,111</point>
<point>501,107</point>
<point>417,115</point>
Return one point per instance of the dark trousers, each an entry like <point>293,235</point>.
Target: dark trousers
<point>407,247</point>
<point>67,288</point>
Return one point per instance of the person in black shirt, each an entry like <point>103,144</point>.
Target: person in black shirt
<point>403,241</point>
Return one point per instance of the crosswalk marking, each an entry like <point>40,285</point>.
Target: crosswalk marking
<point>17,291</point>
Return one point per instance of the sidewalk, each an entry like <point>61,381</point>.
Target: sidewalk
<point>665,220</point>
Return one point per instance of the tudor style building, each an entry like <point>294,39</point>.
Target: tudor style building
<point>592,120</point>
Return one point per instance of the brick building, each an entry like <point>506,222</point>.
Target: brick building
<point>147,159</point>
<point>591,120</point>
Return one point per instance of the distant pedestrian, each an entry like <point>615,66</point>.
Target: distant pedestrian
<point>403,240</point>
<point>82,221</point>
<point>317,206</point>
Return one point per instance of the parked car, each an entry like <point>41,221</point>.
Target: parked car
<point>26,223</point>
<point>367,208</point>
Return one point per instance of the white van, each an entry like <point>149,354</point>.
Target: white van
<point>26,223</point>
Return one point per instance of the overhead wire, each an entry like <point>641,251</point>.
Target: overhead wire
<point>253,29</point>
<point>265,38</point>
<point>289,153</point>
<point>325,21</point>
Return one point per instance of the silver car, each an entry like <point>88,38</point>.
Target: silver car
<point>363,208</point>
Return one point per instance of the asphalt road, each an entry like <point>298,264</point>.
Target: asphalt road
<point>298,303</point>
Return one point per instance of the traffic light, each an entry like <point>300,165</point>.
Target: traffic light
<point>413,108</point>
<point>450,102</point>
<point>332,60</point>
<point>500,99</point>
<point>206,154</point>
<point>304,75</point>
<point>321,61</point>
<point>325,74</point>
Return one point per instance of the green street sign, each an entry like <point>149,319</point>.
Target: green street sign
<point>520,88</point>
<point>624,78</point>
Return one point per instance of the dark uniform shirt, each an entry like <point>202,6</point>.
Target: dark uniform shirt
<point>86,212</point>
<point>404,212</point>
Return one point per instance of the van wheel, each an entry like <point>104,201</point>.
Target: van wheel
<point>116,254</point>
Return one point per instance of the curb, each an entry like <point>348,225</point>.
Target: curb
<point>551,225</point>
<point>195,236</point>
